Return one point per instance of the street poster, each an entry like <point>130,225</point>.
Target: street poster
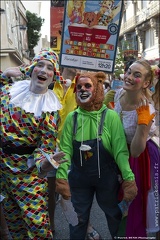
<point>56,21</point>
<point>116,83</point>
<point>90,34</point>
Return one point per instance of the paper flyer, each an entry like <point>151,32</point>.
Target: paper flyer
<point>90,34</point>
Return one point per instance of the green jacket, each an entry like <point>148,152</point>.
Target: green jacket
<point>113,138</point>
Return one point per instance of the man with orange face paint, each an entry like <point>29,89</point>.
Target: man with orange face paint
<point>29,120</point>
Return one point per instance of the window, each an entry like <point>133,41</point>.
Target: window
<point>149,38</point>
<point>135,8</point>
<point>124,16</point>
<point>8,20</point>
<point>144,3</point>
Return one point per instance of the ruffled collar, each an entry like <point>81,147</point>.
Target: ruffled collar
<point>22,97</point>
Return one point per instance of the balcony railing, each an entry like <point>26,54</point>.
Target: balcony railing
<point>142,16</point>
<point>154,8</point>
<point>129,24</point>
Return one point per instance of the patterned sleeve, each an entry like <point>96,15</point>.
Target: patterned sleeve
<point>4,80</point>
<point>48,131</point>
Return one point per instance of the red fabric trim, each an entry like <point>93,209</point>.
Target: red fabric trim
<point>145,180</point>
<point>144,166</point>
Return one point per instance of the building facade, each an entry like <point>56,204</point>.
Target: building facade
<point>14,43</point>
<point>140,30</point>
<point>41,9</point>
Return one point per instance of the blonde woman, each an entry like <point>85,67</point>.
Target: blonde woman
<point>132,103</point>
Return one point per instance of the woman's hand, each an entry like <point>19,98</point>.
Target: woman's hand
<point>143,112</point>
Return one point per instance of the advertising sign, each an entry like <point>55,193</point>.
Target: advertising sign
<point>116,84</point>
<point>90,34</point>
<point>56,21</point>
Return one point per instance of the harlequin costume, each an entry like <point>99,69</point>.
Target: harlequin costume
<point>4,80</point>
<point>143,216</point>
<point>94,143</point>
<point>28,121</point>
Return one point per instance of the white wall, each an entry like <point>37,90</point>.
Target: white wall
<point>129,10</point>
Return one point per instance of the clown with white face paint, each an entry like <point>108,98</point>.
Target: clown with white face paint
<point>29,128</point>
<point>89,92</point>
<point>85,90</point>
<point>95,145</point>
<point>42,76</point>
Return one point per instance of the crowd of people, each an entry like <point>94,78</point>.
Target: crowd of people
<point>68,132</point>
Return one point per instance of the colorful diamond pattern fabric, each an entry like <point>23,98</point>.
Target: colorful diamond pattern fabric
<point>26,195</point>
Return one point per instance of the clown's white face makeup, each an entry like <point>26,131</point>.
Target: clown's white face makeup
<point>42,76</point>
<point>84,89</point>
<point>135,78</point>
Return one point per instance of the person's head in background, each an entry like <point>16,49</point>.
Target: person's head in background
<point>68,75</point>
<point>121,76</point>
<point>106,86</point>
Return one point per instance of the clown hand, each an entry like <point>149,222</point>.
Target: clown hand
<point>13,72</point>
